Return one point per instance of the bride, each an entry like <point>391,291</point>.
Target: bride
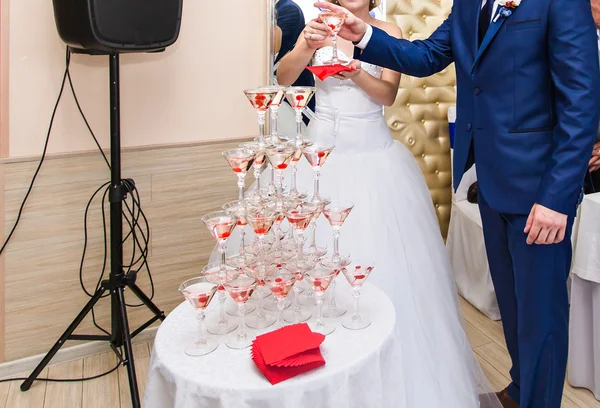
<point>393,221</point>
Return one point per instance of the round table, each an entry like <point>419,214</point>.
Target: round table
<point>361,367</point>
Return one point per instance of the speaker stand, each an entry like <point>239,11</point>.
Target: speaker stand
<point>118,281</point>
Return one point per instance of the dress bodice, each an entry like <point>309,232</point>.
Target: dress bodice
<point>344,95</point>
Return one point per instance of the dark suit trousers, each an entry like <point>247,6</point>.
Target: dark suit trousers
<point>531,287</point>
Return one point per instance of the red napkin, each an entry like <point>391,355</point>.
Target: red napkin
<point>324,71</point>
<point>287,352</point>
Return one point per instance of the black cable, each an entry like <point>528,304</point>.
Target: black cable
<point>65,379</point>
<point>62,87</point>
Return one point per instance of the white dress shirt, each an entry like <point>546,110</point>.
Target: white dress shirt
<point>367,37</point>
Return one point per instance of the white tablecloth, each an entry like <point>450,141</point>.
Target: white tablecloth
<point>361,367</point>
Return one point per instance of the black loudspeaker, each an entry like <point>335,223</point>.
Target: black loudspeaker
<point>118,26</point>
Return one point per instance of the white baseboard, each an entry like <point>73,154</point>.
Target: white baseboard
<point>12,368</point>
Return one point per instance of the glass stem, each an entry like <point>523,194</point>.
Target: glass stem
<point>294,170</point>
<point>274,120</point>
<point>242,313</point>
<point>332,304</point>
<point>261,127</point>
<point>336,243</point>
<point>296,290</point>
<point>299,126</point>
<point>356,296</point>
<point>280,307</point>
<point>319,296</point>
<point>313,239</point>
<point>334,58</point>
<point>280,182</point>
<point>276,232</point>
<point>317,171</point>
<point>260,314</point>
<point>257,177</point>
<point>261,249</point>
<point>272,174</point>
<point>222,250</point>
<point>222,299</point>
<point>300,238</point>
<point>201,333</point>
<point>242,232</point>
<point>241,184</point>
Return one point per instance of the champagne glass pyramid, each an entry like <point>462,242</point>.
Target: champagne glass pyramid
<point>215,274</point>
<point>356,274</point>
<point>238,209</point>
<point>334,21</point>
<point>281,284</point>
<point>240,290</point>
<point>199,292</point>
<point>336,213</point>
<point>240,160</point>
<point>316,155</point>
<point>298,97</point>
<point>320,278</point>
<point>260,99</point>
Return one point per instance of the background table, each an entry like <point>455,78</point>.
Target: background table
<point>361,366</point>
<point>584,353</point>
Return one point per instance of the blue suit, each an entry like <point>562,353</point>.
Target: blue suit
<point>528,105</point>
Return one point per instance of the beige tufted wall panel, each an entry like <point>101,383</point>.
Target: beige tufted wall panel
<point>419,116</point>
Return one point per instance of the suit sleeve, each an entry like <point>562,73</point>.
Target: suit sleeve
<point>419,58</point>
<point>573,58</point>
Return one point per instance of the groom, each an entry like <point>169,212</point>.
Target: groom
<point>528,99</point>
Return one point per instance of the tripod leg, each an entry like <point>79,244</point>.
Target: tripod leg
<point>65,336</point>
<point>135,396</point>
<point>146,300</point>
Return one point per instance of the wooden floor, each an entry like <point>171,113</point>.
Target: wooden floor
<point>112,391</point>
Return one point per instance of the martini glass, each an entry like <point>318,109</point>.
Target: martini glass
<point>299,218</point>
<point>298,97</point>
<point>238,209</point>
<point>296,314</point>
<point>241,161</point>
<point>260,273</point>
<point>356,274</point>
<point>220,224</point>
<point>260,99</point>
<point>240,290</point>
<point>279,157</point>
<point>313,250</point>
<point>259,161</point>
<point>336,213</point>
<point>199,292</point>
<point>215,275</point>
<point>320,278</point>
<point>332,309</point>
<point>316,155</point>
<point>278,253</point>
<point>294,164</point>
<point>261,220</point>
<point>274,110</point>
<point>334,21</point>
<point>281,284</point>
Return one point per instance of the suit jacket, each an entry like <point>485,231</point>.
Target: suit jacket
<point>291,21</point>
<point>528,98</point>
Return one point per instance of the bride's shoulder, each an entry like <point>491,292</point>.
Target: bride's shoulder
<point>390,28</point>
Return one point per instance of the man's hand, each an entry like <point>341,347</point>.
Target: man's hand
<point>545,226</point>
<point>595,160</point>
<point>353,28</point>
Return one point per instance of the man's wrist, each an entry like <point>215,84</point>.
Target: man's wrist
<point>362,44</point>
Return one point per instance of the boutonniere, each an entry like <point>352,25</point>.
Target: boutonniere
<point>506,8</point>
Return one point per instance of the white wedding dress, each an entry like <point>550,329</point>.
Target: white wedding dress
<point>394,224</point>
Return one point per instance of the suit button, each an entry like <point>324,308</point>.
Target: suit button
<point>469,126</point>
<point>476,91</point>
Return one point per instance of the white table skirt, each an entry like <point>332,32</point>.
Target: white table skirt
<point>361,367</point>
<point>584,346</point>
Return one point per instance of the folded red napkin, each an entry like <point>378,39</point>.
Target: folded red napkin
<point>324,71</point>
<point>287,352</point>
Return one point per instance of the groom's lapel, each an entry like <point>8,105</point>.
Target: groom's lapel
<point>489,36</point>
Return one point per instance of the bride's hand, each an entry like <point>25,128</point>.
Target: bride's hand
<point>350,74</point>
<point>316,33</point>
